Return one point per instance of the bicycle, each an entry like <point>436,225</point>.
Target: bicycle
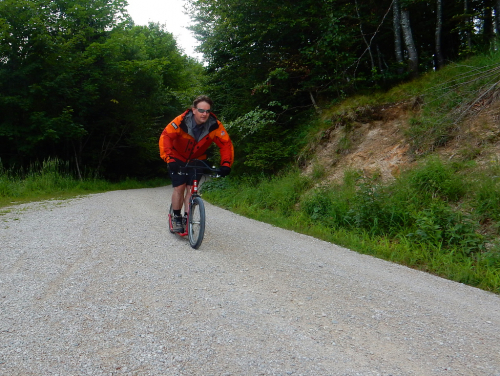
<point>195,221</point>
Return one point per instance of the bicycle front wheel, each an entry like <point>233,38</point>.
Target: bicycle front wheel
<point>196,222</point>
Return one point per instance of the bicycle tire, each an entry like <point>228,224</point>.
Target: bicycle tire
<point>196,222</point>
<point>170,219</point>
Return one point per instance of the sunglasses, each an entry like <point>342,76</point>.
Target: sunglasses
<point>202,111</point>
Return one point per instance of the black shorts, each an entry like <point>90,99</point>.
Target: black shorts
<point>180,179</point>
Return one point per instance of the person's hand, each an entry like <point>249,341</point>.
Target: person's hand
<point>224,171</point>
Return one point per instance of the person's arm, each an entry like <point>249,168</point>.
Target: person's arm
<point>169,134</point>
<point>223,141</point>
<point>165,145</point>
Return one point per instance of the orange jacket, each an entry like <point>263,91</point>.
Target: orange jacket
<point>177,140</point>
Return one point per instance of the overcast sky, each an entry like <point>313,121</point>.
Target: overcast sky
<point>170,13</point>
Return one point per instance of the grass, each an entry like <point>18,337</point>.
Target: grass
<point>440,218</point>
<point>52,179</point>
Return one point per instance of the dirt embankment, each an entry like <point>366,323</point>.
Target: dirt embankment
<point>376,141</point>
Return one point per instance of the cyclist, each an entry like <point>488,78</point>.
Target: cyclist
<point>188,137</point>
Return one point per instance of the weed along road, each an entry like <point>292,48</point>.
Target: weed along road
<point>98,286</point>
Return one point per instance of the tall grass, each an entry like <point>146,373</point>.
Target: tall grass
<point>54,179</point>
<point>441,218</point>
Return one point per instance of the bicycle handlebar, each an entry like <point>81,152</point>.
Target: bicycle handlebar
<point>196,166</point>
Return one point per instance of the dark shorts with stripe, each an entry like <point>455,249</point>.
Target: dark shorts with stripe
<point>180,179</point>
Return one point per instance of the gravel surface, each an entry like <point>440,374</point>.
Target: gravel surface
<point>98,286</point>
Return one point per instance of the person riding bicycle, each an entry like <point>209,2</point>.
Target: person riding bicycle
<point>188,137</point>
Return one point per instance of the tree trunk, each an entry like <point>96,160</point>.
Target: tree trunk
<point>488,25</point>
<point>380,59</point>
<point>398,42</point>
<point>77,160</point>
<point>410,44</point>
<point>316,107</point>
<point>468,27</point>
<point>497,17</point>
<point>439,28</point>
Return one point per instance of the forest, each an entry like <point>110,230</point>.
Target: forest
<point>81,83</point>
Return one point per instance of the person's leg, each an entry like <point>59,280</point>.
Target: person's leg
<point>190,178</point>
<point>178,197</point>
<point>187,197</point>
<point>179,185</point>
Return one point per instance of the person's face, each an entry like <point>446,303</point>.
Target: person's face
<point>201,112</point>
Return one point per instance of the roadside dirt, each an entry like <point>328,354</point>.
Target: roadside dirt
<point>374,141</point>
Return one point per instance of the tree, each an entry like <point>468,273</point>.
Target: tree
<point>80,82</point>
<point>497,16</point>
<point>35,36</point>
<point>409,42</point>
<point>287,57</point>
<point>143,81</point>
<point>398,42</point>
<point>468,26</point>
<point>439,29</point>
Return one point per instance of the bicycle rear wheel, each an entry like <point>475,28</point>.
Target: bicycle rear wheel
<point>196,222</point>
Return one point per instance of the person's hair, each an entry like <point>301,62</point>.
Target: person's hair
<point>202,98</point>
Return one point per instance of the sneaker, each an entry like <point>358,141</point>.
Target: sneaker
<point>185,220</point>
<point>177,224</point>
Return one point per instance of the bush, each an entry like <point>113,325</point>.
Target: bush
<point>487,194</point>
<point>416,205</point>
<point>434,179</point>
<point>330,205</point>
<point>359,203</point>
<point>280,192</point>
<point>440,226</point>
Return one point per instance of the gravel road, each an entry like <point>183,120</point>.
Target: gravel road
<point>98,286</point>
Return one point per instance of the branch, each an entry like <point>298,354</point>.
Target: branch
<point>371,39</point>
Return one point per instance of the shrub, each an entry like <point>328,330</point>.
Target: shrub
<point>487,195</point>
<point>441,226</point>
<point>434,179</point>
<point>280,192</point>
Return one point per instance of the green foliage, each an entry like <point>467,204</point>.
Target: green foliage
<point>251,122</point>
<point>487,193</point>
<point>79,82</point>
<point>455,94</point>
<point>263,145</point>
<point>434,179</point>
<point>442,227</point>
<point>269,156</point>
<point>358,203</point>
<point>261,50</point>
<point>305,55</point>
<point>279,193</point>
<point>265,51</point>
